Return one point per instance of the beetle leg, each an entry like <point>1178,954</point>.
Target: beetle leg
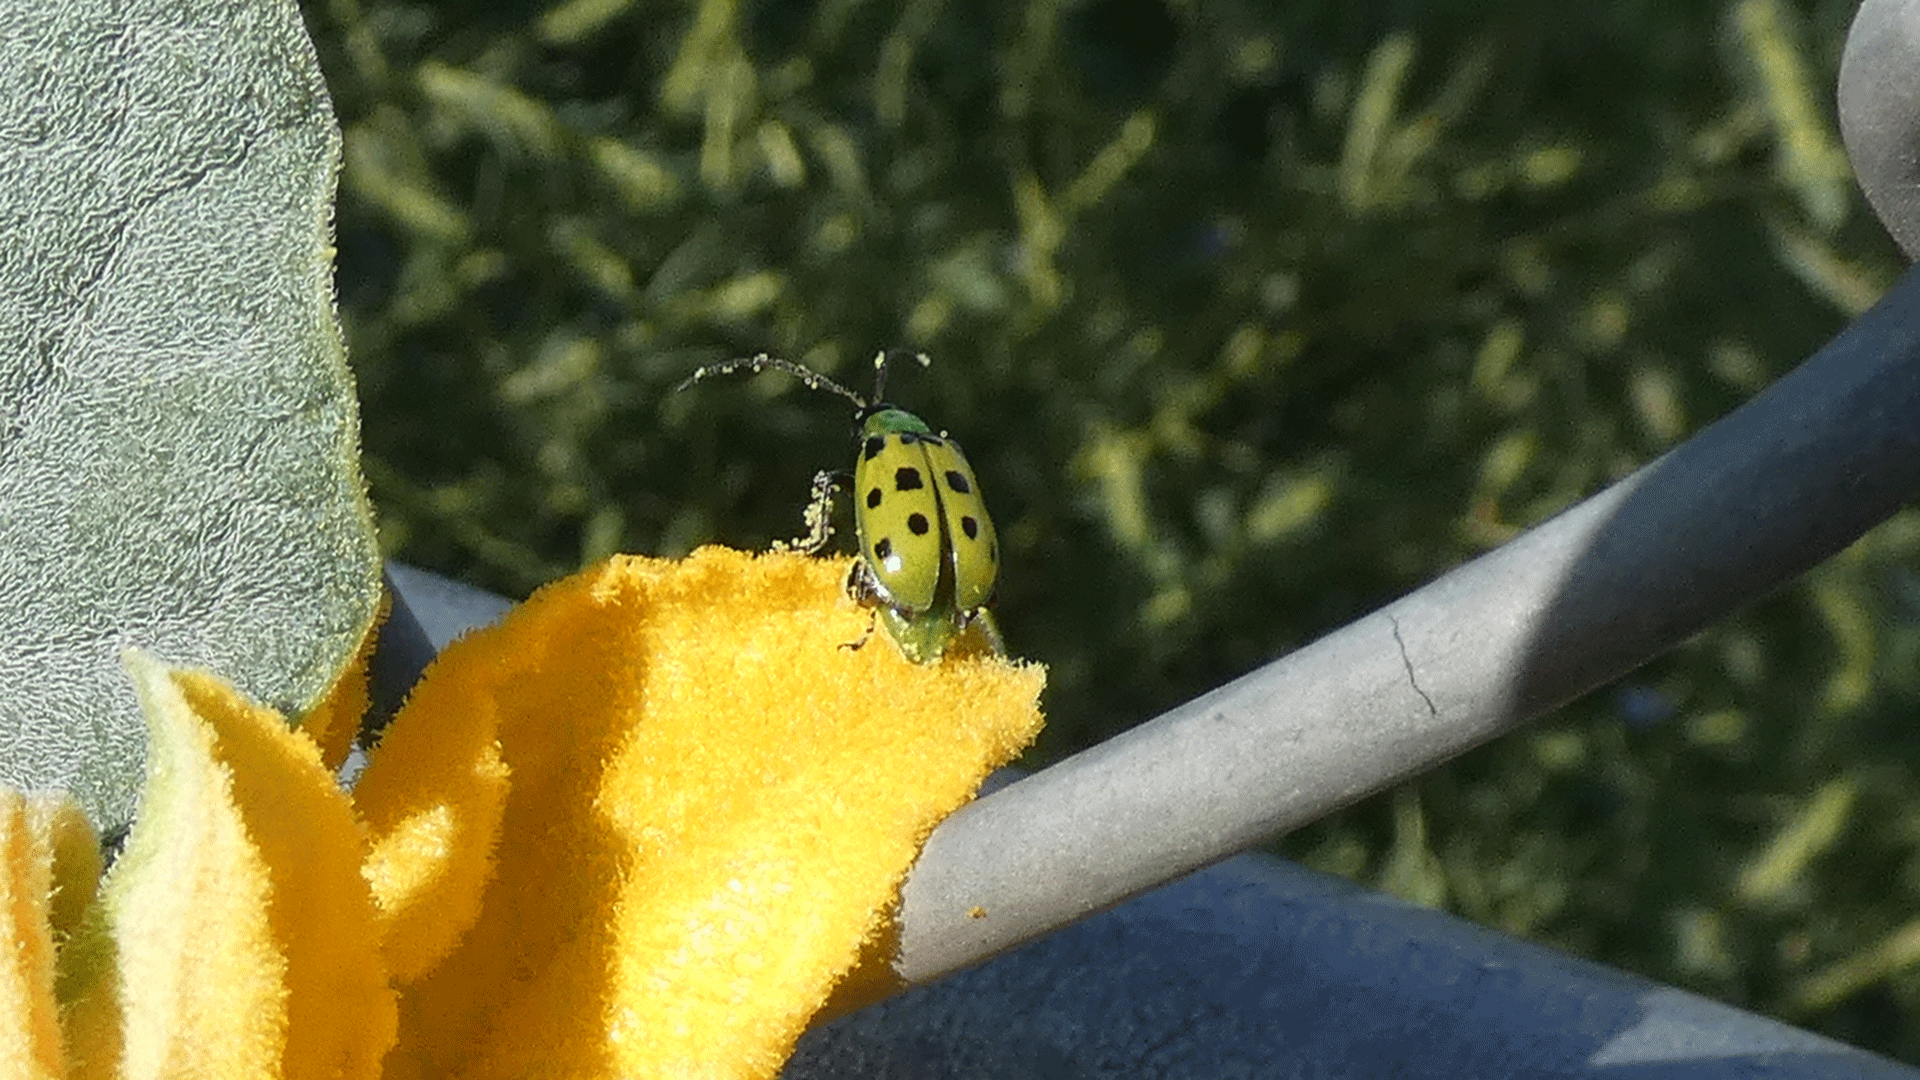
<point>873,616</point>
<point>862,589</point>
<point>865,591</point>
<point>819,515</point>
<point>989,628</point>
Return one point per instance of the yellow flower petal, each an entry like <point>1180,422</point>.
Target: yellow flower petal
<point>84,955</point>
<point>712,806</point>
<point>244,930</point>
<point>431,799</point>
<point>75,848</point>
<point>29,1021</point>
<point>87,980</point>
<point>88,988</point>
<point>812,795</point>
<point>333,722</point>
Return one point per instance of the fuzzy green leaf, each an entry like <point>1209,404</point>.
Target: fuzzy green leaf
<point>178,429</point>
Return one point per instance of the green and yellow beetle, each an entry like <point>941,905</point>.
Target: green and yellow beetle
<point>928,555</point>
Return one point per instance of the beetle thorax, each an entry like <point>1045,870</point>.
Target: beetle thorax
<point>888,420</point>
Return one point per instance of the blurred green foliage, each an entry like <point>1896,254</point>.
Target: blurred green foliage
<point>1251,317</point>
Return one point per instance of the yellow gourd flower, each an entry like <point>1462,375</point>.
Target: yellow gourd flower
<point>639,828</point>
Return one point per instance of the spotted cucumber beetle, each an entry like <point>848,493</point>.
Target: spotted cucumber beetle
<point>928,553</point>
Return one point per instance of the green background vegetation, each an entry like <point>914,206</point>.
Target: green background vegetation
<point>1251,316</point>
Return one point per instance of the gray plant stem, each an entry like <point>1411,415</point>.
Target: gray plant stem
<point>1743,507</point>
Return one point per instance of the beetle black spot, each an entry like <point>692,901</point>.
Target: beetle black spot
<point>882,549</point>
<point>907,478</point>
<point>918,524</point>
<point>908,438</point>
<point>969,526</point>
<point>873,497</point>
<point>872,447</point>
<point>957,480</point>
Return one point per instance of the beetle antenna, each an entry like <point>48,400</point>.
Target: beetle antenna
<point>812,379</point>
<point>880,369</point>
